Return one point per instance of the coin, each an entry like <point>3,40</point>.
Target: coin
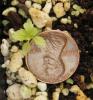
<point>55,62</point>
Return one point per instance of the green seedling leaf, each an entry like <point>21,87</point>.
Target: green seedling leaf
<point>28,26</point>
<point>26,48</point>
<point>35,32</point>
<point>39,41</point>
<point>28,33</point>
<point>30,29</point>
<point>70,81</point>
<point>20,35</point>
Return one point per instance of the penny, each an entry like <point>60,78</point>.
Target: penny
<point>55,62</point>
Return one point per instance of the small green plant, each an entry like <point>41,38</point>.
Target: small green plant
<point>27,33</point>
<point>70,81</point>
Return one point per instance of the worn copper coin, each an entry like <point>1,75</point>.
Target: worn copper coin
<point>55,62</point>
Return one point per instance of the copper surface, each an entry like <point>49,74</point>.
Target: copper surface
<point>55,62</point>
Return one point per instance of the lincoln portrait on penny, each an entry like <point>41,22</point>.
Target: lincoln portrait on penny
<point>57,60</point>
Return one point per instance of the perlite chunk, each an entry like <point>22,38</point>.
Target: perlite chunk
<point>59,10</point>
<point>37,6</point>
<point>67,6</point>
<point>55,95</point>
<point>42,86</point>
<point>64,20</point>
<point>15,62</point>
<point>11,32</point>
<point>14,49</point>
<point>80,95</point>
<point>39,1</point>
<point>77,10</point>
<point>6,63</point>
<point>47,7</point>
<point>14,2</point>
<point>33,91</point>
<point>41,93</point>
<point>41,97</point>
<point>6,11</point>
<point>13,92</point>
<point>27,77</point>
<point>65,91</point>
<point>63,1</point>
<point>89,86</point>
<point>40,18</point>
<point>28,3</point>
<point>25,92</point>
<point>54,1</point>
<point>5,47</point>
